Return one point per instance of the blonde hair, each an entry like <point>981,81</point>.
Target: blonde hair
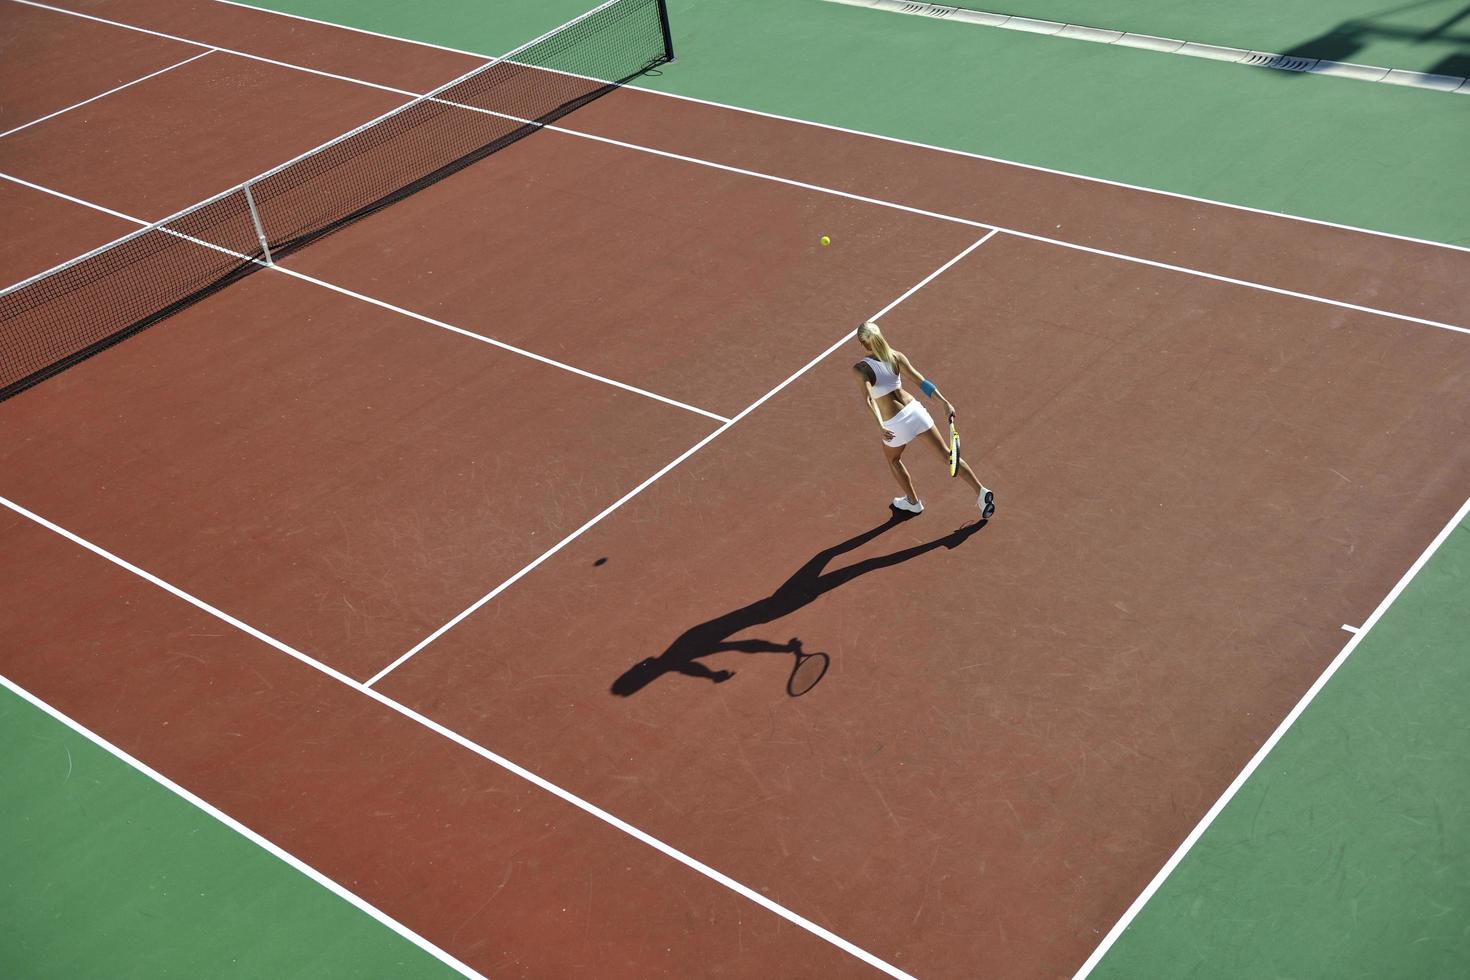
<point>869,335</point>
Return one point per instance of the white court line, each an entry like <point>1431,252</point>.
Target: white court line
<point>1209,817</point>
<point>542,783</point>
<point>990,233</point>
<point>1310,297</point>
<point>1351,629</point>
<point>649,482</point>
<point>212,47</point>
<point>1185,270</point>
<point>75,200</point>
<point>501,344</point>
<point>1061,243</point>
<point>914,143</point>
<point>1264,750</point>
<point>765,115</point>
<point>511,348</point>
<point>954,219</point>
<point>101,95</point>
<point>937,215</point>
<point>355,900</point>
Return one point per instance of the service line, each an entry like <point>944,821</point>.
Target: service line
<point>845,338</point>
<point>101,95</point>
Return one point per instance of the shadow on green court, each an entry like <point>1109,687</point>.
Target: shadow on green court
<point>1348,39</point>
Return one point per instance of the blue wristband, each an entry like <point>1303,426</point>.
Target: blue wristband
<point>927,387</point>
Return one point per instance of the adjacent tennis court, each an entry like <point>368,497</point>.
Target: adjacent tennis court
<point>453,498</point>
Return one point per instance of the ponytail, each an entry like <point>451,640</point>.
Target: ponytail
<point>870,336</point>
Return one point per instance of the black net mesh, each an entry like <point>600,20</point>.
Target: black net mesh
<point>55,320</point>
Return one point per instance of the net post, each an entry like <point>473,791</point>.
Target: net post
<point>663,20</point>
<point>255,217</point>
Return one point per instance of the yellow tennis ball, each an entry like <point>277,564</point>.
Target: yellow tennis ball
<point>826,240</point>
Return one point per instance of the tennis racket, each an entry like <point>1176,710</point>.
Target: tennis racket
<point>954,447</point>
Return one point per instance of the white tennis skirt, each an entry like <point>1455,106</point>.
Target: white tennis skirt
<point>907,424</point>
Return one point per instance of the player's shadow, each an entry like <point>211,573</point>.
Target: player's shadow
<point>685,655</point>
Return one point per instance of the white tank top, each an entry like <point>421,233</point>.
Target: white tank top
<point>885,379</point>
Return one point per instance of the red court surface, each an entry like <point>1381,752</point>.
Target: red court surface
<point>1423,280</point>
<point>479,860</point>
<point>703,286</point>
<point>78,59</point>
<point>263,35</point>
<point>342,477</point>
<point>70,230</point>
<point>187,135</point>
<point>1015,731</point>
<point>1199,482</point>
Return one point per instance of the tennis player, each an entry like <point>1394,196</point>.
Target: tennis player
<point>880,375</point>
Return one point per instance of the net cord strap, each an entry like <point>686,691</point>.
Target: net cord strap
<point>64,315</point>
<point>265,245</point>
<point>159,224</point>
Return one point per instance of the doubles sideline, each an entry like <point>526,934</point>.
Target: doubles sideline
<point>262,842</point>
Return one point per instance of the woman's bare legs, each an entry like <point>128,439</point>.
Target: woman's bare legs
<point>901,472</point>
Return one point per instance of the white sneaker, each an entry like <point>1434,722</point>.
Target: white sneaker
<point>903,503</point>
<point>987,504</point>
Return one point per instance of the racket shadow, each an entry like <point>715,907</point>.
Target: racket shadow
<point>686,654</point>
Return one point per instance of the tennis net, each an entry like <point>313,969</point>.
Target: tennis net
<point>63,316</point>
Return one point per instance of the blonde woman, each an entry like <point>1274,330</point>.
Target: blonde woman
<point>902,419</point>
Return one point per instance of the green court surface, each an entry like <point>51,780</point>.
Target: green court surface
<point>1427,35</point>
<point>1347,853</point>
<point>1343,855</point>
<point>106,874</point>
<point>1369,155</point>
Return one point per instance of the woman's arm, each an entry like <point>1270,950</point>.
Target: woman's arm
<point>925,385</point>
